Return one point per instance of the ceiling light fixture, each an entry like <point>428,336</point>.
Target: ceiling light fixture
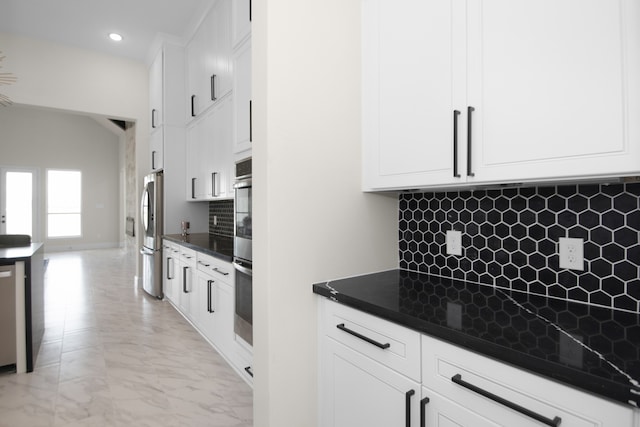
<point>115,37</point>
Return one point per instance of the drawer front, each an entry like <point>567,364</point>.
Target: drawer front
<point>216,268</point>
<point>390,344</point>
<point>187,256</point>
<point>463,376</point>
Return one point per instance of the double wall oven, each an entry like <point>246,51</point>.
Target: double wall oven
<point>242,256</point>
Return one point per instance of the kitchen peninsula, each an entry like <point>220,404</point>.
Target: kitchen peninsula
<point>28,263</point>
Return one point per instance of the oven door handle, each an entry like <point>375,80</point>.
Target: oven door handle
<point>243,183</point>
<point>242,269</point>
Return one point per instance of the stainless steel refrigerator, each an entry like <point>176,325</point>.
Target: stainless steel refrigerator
<point>152,220</point>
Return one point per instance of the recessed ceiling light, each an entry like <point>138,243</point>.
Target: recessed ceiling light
<point>115,37</point>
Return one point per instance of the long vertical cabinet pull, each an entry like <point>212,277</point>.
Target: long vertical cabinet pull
<point>169,260</point>
<point>213,87</point>
<point>193,107</point>
<point>153,118</point>
<point>456,113</point>
<point>153,159</point>
<point>250,121</point>
<point>423,412</point>
<point>184,280</point>
<point>469,150</point>
<point>407,398</point>
<point>250,21</point>
<point>214,176</point>
<point>209,292</point>
<point>193,188</point>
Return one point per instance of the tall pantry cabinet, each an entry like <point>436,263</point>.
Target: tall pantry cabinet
<point>462,93</point>
<point>167,136</point>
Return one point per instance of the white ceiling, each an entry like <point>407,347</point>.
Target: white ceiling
<point>86,23</point>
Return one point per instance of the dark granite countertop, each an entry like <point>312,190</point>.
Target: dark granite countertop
<point>17,253</point>
<point>591,348</point>
<point>220,247</point>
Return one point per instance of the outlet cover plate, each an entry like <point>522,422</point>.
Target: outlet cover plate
<point>571,253</point>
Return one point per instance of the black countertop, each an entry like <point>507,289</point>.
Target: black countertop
<point>220,247</point>
<point>591,348</point>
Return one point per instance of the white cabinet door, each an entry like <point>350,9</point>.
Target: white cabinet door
<point>224,311</point>
<point>242,98</point>
<point>209,60</point>
<point>156,78</point>
<point>206,306</point>
<point>170,257</point>
<point>552,96</point>
<point>209,154</point>
<point>356,391</point>
<point>156,144</point>
<point>408,93</point>
<point>241,20</point>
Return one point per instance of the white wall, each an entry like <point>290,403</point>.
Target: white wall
<point>312,222</point>
<point>48,139</point>
<point>77,80</point>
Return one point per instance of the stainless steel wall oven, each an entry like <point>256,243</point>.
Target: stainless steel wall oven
<point>242,254</point>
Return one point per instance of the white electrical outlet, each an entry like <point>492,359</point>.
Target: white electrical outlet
<point>571,253</point>
<point>454,242</point>
<point>215,220</point>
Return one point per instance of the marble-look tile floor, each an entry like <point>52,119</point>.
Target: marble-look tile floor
<point>113,356</point>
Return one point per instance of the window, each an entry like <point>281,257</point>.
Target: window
<point>64,212</point>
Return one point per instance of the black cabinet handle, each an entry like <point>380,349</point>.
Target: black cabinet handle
<point>407,400</point>
<point>213,87</point>
<point>184,280</point>
<point>423,412</point>
<point>456,113</point>
<point>193,107</point>
<point>153,118</point>
<point>249,371</point>
<point>469,145</point>
<point>214,175</point>
<point>224,273</point>
<point>362,337</point>
<point>153,159</point>
<point>209,304</point>
<point>250,121</point>
<point>249,10</point>
<point>168,263</point>
<point>193,188</point>
<point>529,413</point>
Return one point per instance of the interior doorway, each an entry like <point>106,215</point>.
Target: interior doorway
<point>18,202</point>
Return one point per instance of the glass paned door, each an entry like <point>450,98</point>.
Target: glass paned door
<point>17,202</point>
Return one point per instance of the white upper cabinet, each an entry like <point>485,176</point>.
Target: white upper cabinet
<point>209,73</point>
<point>538,94</point>
<point>241,20</point>
<point>209,154</point>
<point>156,90</point>
<point>242,98</point>
<point>408,96</point>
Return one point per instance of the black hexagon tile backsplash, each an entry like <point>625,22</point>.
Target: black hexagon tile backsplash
<point>510,239</point>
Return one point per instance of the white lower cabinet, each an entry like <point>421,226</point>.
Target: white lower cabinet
<point>186,281</point>
<point>372,373</point>
<point>360,392</point>
<point>509,396</point>
<point>171,261</point>
<point>201,288</point>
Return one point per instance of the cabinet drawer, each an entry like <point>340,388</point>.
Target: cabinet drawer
<point>187,255</point>
<point>388,343</point>
<point>214,267</point>
<point>462,376</point>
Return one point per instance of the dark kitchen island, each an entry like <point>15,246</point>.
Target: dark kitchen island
<point>29,267</point>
